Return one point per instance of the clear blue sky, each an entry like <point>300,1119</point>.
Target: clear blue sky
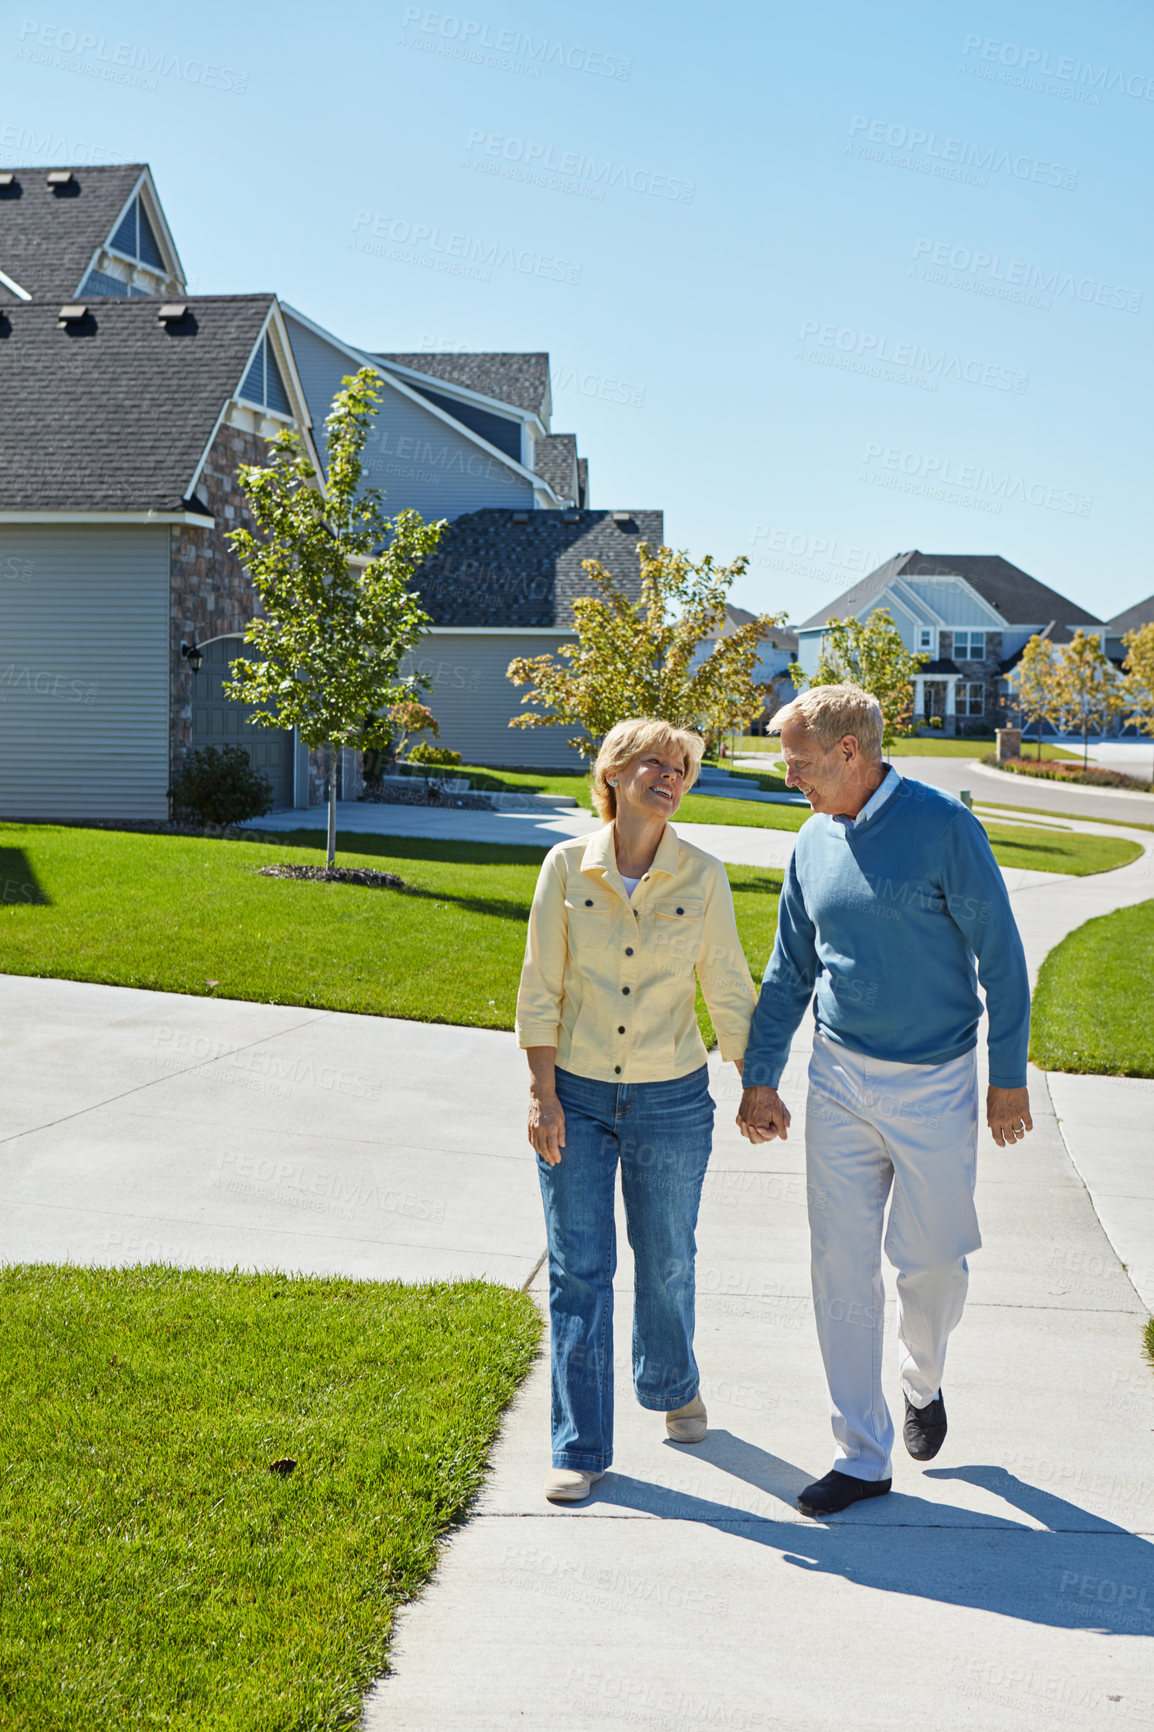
<point>828,217</point>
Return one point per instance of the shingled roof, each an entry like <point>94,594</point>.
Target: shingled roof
<point>1018,597</point>
<point>48,234</point>
<point>522,380</point>
<point>114,414</point>
<point>555,461</point>
<point>490,569</point>
<point>1132,619</point>
<point>778,637</point>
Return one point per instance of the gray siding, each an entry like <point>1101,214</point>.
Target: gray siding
<point>416,460</point>
<point>955,605</point>
<point>473,700</point>
<point>84,671</point>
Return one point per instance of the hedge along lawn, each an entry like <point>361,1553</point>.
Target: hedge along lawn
<point>157,1572</point>
<point>1092,1002</point>
<point>175,913</point>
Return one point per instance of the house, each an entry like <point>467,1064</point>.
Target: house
<point>1131,619</point>
<point>468,438</point>
<point>502,584</point>
<point>971,613</point>
<point>129,406</point>
<point>67,232</point>
<point>126,419</point>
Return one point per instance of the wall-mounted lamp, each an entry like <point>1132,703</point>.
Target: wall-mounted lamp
<point>193,654</point>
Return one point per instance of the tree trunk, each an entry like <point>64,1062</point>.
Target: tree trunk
<point>1039,736</point>
<point>332,837</point>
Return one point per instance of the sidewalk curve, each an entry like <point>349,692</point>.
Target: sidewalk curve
<point>1010,1585</point>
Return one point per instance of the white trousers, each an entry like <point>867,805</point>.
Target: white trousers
<point>872,1128</point>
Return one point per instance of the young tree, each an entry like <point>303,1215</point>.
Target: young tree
<point>869,653</point>
<point>1137,688</point>
<point>637,658</point>
<point>1036,684</point>
<point>333,575</point>
<point>1087,687</point>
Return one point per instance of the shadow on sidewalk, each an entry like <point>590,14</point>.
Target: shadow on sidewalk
<point>1080,1573</point>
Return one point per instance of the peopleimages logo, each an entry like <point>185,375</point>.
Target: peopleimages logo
<point>879,356</point>
<point>472,39</point>
<point>531,159</point>
<point>953,158</point>
<point>1014,279</point>
<point>1037,62</point>
<point>923,471</point>
<point>461,255</point>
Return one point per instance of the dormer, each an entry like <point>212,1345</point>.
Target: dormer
<point>138,257</point>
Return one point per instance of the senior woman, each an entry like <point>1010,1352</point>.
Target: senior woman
<point>621,923</point>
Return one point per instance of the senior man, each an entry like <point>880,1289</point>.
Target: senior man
<point>892,910</point>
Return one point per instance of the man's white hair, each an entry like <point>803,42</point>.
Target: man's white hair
<point>828,713</point>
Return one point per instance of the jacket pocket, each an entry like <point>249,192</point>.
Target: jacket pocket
<point>678,924</point>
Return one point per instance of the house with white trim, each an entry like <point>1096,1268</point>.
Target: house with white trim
<point>129,405</point>
<point>970,613</point>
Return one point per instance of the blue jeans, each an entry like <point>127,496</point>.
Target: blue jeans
<point>661,1132</point>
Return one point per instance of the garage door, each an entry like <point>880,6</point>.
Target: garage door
<point>220,721</point>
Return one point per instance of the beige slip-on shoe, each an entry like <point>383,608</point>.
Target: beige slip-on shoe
<point>688,1424</point>
<point>569,1484</point>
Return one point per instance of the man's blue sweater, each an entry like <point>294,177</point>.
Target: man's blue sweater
<point>882,923</point>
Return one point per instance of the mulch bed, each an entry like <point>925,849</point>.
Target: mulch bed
<point>1062,770</point>
<point>397,794</point>
<point>365,875</point>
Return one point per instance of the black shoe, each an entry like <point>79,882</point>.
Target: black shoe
<point>836,1492</point>
<point>925,1428</point>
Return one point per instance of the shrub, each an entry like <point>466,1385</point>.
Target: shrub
<point>220,787</point>
<point>439,757</point>
<point>1057,770</point>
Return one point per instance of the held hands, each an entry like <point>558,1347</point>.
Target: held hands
<point>546,1126</point>
<point>762,1115</point>
<point>1008,1115</point>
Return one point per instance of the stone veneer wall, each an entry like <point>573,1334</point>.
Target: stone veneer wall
<point>210,592</point>
<point>988,671</point>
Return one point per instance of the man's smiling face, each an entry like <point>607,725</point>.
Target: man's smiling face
<point>822,774</point>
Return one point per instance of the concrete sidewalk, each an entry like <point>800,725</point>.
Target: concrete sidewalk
<point>738,845</point>
<point>1006,1586</point>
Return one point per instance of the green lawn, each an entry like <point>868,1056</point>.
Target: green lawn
<point>923,746</point>
<point>157,1572</point>
<point>1076,817</point>
<point>746,814</point>
<point>183,914</point>
<point>1092,1003</point>
<point>1040,850</point>
<point>487,779</point>
<point>175,913</point>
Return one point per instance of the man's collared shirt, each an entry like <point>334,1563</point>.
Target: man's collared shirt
<point>609,981</point>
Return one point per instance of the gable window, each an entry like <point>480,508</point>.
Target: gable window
<point>969,646</point>
<point>971,698</point>
<point>134,237</point>
<point>926,638</point>
<point>263,383</point>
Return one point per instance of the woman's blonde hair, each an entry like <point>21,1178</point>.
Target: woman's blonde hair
<point>628,740</point>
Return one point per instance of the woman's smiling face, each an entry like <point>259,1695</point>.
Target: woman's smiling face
<point>652,782</point>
